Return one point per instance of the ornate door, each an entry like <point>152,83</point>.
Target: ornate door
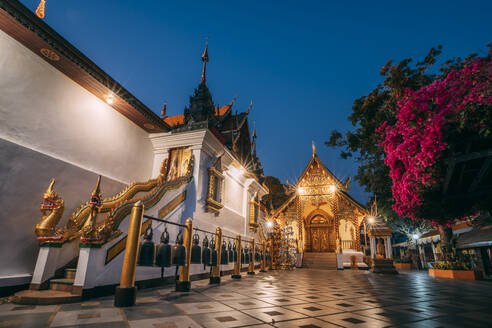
<point>320,235</point>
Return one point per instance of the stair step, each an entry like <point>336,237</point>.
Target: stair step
<point>44,297</point>
<point>61,284</point>
<point>70,273</point>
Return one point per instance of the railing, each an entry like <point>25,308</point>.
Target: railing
<point>349,244</point>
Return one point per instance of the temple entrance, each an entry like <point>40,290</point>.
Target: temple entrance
<point>321,234</point>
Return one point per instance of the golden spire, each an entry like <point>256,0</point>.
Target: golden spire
<point>205,61</point>
<point>250,107</point>
<point>314,149</point>
<point>253,145</point>
<point>40,9</point>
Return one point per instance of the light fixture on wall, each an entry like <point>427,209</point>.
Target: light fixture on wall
<point>269,224</point>
<point>415,236</point>
<point>370,219</point>
<point>333,188</point>
<point>236,173</point>
<point>110,99</point>
<point>300,190</point>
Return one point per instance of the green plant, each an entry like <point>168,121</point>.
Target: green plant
<point>397,260</point>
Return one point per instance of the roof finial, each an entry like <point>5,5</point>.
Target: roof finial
<point>205,61</point>
<point>253,146</point>
<point>250,107</point>
<point>164,110</point>
<point>314,149</point>
<point>40,9</point>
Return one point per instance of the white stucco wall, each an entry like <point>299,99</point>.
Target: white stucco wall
<point>44,110</point>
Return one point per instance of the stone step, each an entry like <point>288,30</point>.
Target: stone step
<point>44,297</point>
<point>70,273</point>
<point>61,284</point>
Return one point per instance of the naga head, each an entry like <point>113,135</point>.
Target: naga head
<point>51,200</point>
<point>51,208</point>
<point>96,196</point>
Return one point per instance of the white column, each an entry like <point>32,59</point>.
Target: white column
<point>434,251</point>
<point>373,247</point>
<point>389,251</point>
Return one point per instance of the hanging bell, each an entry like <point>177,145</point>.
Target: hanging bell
<point>196,250</point>
<point>205,252</point>
<point>214,253</point>
<point>246,256</point>
<point>224,259</point>
<point>230,253</point>
<point>242,256</point>
<point>147,249</point>
<point>163,257</point>
<point>234,251</point>
<point>179,251</point>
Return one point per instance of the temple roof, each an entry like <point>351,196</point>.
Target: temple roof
<point>342,187</point>
<point>33,33</point>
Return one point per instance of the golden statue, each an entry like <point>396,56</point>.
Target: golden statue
<point>380,249</point>
<point>52,210</point>
<point>89,227</point>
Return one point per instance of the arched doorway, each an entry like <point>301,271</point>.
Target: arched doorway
<point>321,235</point>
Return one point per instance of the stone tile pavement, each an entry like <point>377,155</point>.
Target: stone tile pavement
<point>302,298</point>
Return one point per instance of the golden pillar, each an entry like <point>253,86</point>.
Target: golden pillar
<point>263,257</point>
<point>251,268</point>
<point>237,265</point>
<point>215,278</point>
<point>126,292</point>
<point>184,284</point>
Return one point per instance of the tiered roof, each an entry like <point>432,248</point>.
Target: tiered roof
<point>232,129</point>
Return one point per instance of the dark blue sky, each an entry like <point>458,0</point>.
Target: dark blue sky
<point>302,62</point>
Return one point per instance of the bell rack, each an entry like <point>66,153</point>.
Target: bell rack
<point>196,229</point>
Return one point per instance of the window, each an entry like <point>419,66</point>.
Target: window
<point>215,187</point>
<point>254,212</point>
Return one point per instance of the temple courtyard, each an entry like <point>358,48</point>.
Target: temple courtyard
<point>302,298</point>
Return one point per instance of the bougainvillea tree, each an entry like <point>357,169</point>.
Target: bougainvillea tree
<point>433,123</point>
<point>381,107</point>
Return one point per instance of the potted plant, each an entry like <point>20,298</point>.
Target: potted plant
<point>453,270</point>
<point>403,263</point>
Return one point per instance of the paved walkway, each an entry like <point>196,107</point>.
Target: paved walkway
<point>302,298</point>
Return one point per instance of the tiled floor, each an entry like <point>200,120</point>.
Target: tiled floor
<point>302,298</point>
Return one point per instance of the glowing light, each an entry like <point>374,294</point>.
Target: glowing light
<point>236,173</point>
<point>333,188</point>
<point>370,219</point>
<point>269,224</point>
<point>300,190</point>
<point>110,99</point>
<point>415,236</point>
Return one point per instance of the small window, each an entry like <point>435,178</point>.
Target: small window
<point>215,187</point>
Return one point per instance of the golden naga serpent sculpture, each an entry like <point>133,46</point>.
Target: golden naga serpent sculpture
<point>83,222</point>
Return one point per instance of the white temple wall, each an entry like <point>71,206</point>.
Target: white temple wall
<point>24,176</point>
<point>50,127</point>
<point>44,110</point>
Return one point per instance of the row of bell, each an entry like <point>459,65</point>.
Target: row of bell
<point>168,255</point>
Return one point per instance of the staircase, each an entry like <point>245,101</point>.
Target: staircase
<point>60,291</point>
<point>322,261</point>
<point>64,284</point>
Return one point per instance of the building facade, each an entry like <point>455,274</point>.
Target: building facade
<point>64,118</point>
<point>325,218</point>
